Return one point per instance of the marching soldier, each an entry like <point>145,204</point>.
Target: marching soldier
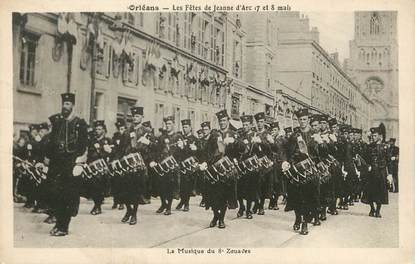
<point>221,192</point>
<point>169,144</point>
<point>133,182</point>
<point>99,148</point>
<point>120,143</point>
<point>393,163</point>
<point>301,152</point>
<point>359,151</point>
<point>247,185</point>
<point>337,175</point>
<point>187,179</point>
<point>145,198</point>
<point>261,147</point>
<point>66,147</point>
<point>204,141</point>
<point>278,157</point>
<point>376,191</point>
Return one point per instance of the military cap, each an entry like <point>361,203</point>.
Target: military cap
<point>275,124</point>
<point>221,114</point>
<point>186,122</point>
<point>324,118</point>
<point>68,97</point>
<point>147,124</point>
<point>259,116</point>
<point>246,118</point>
<point>120,123</point>
<point>205,124</point>
<point>301,112</point>
<point>33,127</point>
<point>137,110</point>
<point>315,118</point>
<point>168,118</point>
<point>43,125</point>
<point>99,123</point>
<point>288,130</point>
<point>374,130</point>
<point>332,121</point>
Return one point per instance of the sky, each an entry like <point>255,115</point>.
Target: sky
<point>336,30</point>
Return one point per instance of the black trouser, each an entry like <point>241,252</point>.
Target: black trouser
<point>66,201</point>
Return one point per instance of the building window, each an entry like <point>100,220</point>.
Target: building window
<point>28,58</point>
<point>99,106</point>
<point>235,106</point>
<point>103,64</point>
<point>159,115</point>
<point>123,108</point>
<point>374,24</point>
<point>237,59</point>
<point>130,73</point>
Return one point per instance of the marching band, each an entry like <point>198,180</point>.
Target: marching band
<point>317,168</point>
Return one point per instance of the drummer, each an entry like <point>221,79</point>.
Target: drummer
<point>99,148</point>
<point>303,198</point>
<point>168,147</point>
<point>133,182</point>
<point>221,194</point>
<point>247,186</point>
<point>190,150</point>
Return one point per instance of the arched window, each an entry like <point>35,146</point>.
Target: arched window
<point>374,24</point>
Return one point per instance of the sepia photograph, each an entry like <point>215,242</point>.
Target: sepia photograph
<point>205,129</point>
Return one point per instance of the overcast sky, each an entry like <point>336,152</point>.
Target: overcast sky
<point>336,30</point>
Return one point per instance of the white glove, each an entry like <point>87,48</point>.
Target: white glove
<point>107,148</point>
<point>153,164</point>
<point>144,140</point>
<point>192,147</point>
<point>77,170</point>
<point>203,166</point>
<point>246,142</point>
<point>180,144</point>
<point>318,138</point>
<point>229,140</point>
<point>132,134</point>
<point>29,146</point>
<point>38,165</point>
<point>369,168</point>
<point>270,139</point>
<point>96,145</point>
<point>393,158</point>
<point>45,169</point>
<point>389,178</point>
<point>256,140</point>
<point>285,166</point>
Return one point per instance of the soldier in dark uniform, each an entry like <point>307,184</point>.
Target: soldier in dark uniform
<point>67,146</point>
<point>99,148</point>
<point>247,185</point>
<point>145,198</point>
<point>190,149</point>
<point>204,140</point>
<point>288,132</point>
<point>303,198</point>
<point>261,147</point>
<point>359,150</point>
<point>393,163</point>
<point>199,133</point>
<point>221,194</point>
<point>169,144</point>
<point>278,157</point>
<point>337,175</point>
<point>133,183</point>
<point>348,168</point>
<point>120,143</point>
<point>19,151</point>
<point>376,192</point>
<point>28,184</point>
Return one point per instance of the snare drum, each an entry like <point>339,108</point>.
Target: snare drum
<point>323,171</point>
<point>251,164</point>
<point>116,168</point>
<point>189,165</point>
<point>224,170</point>
<point>302,172</point>
<point>132,162</point>
<point>167,165</point>
<point>98,167</point>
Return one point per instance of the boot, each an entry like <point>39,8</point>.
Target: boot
<point>114,206</point>
<point>179,206</point>
<point>221,224</point>
<point>261,211</point>
<point>304,229</point>
<point>186,208</point>
<point>121,207</point>
<point>240,212</point>
<point>296,225</point>
<point>59,233</point>
<point>214,220</point>
<point>161,209</point>
<point>126,217</point>
<point>372,213</point>
<point>167,212</point>
<point>133,220</point>
<point>249,215</point>
<point>323,215</point>
<point>316,221</point>
<point>94,210</point>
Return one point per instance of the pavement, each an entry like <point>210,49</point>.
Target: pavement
<point>350,229</point>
